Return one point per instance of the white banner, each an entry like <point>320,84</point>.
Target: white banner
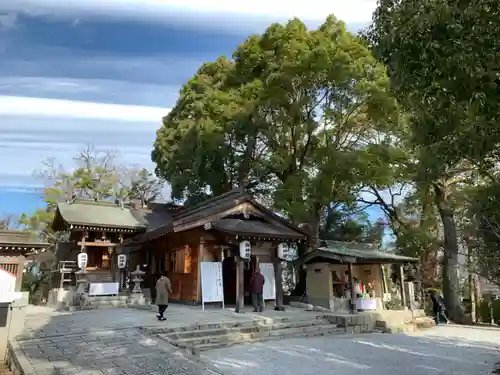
<point>212,288</point>
<point>267,270</point>
<point>7,286</point>
<point>104,289</point>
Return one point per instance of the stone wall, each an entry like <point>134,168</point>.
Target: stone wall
<point>12,321</point>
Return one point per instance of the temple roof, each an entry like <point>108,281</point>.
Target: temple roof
<point>256,228</point>
<point>212,210</point>
<point>102,214</point>
<point>20,241</point>
<point>350,252</point>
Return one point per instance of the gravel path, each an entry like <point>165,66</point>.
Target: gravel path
<point>446,350</point>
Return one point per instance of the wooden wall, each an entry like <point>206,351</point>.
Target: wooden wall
<point>183,273</point>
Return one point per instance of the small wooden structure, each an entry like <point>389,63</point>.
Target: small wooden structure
<point>15,246</point>
<point>336,264</point>
<point>98,229</point>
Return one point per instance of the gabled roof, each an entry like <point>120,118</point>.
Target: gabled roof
<point>211,210</point>
<point>350,252</point>
<point>102,214</point>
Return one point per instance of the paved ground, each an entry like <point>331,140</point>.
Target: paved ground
<point>446,350</point>
<point>108,341</point>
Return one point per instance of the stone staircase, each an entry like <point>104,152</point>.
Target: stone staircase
<point>211,336</point>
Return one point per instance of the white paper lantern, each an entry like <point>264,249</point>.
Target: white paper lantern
<point>122,261</point>
<point>283,251</point>
<point>245,249</point>
<point>82,259</point>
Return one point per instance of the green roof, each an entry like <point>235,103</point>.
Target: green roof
<point>22,238</point>
<point>349,252</point>
<point>100,214</point>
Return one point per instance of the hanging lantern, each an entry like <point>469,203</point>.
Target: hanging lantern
<point>122,261</point>
<point>283,251</point>
<point>82,260</point>
<point>245,249</point>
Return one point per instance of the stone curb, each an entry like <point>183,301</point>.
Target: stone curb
<point>17,360</point>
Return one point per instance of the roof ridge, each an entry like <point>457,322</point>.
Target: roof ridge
<point>189,210</point>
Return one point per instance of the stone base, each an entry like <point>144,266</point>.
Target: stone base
<point>137,299</point>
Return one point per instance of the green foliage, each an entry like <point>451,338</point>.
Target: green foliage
<point>486,215</point>
<point>145,187</point>
<point>443,57</point>
<point>96,175</point>
<point>290,117</point>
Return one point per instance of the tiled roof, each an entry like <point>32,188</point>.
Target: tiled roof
<point>99,214</point>
<point>21,238</point>
<point>185,218</point>
<point>257,228</point>
<point>351,253</point>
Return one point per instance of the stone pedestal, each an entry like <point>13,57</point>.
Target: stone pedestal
<point>81,299</point>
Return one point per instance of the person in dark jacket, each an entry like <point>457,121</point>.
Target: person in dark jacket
<point>257,284</point>
<point>438,307</point>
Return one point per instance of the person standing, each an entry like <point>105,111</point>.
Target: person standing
<point>438,307</point>
<point>257,284</point>
<point>163,288</point>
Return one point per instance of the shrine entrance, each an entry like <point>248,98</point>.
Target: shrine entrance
<point>229,280</point>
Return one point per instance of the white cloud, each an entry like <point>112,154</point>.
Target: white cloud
<point>224,11</point>
<point>34,129</point>
<point>15,105</point>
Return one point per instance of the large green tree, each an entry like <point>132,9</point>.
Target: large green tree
<point>290,117</point>
<point>442,57</point>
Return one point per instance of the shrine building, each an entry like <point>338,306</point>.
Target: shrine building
<point>179,240</point>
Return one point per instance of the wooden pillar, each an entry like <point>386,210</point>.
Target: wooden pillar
<point>240,284</point>
<point>278,280</point>
<point>352,303</point>
<point>402,286</point>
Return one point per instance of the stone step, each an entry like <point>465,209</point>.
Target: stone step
<point>266,336</point>
<point>231,324</point>
<point>249,336</point>
<point>242,329</point>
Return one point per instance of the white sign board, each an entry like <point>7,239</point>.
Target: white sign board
<point>7,286</point>
<point>212,287</point>
<point>267,270</point>
<point>103,289</point>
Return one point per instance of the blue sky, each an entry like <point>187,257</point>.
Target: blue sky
<point>105,72</point>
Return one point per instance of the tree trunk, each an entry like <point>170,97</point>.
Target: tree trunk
<point>451,282</point>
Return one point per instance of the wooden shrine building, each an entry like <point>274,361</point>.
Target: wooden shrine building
<point>15,246</point>
<point>176,239</point>
<point>98,229</point>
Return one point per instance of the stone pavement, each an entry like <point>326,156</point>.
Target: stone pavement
<point>444,350</point>
<point>109,341</point>
<point>103,341</point>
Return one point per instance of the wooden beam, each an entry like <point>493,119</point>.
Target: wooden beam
<point>97,244</point>
<point>402,286</point>
<point>240,285</point>
<point>278,281</point>
<point>352,304</point>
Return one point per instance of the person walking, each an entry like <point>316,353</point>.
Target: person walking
<point>163,288</point>
<point>438,307</point>
<point>257,284</point>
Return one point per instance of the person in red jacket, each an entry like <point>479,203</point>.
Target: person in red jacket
<point>257,284</point>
